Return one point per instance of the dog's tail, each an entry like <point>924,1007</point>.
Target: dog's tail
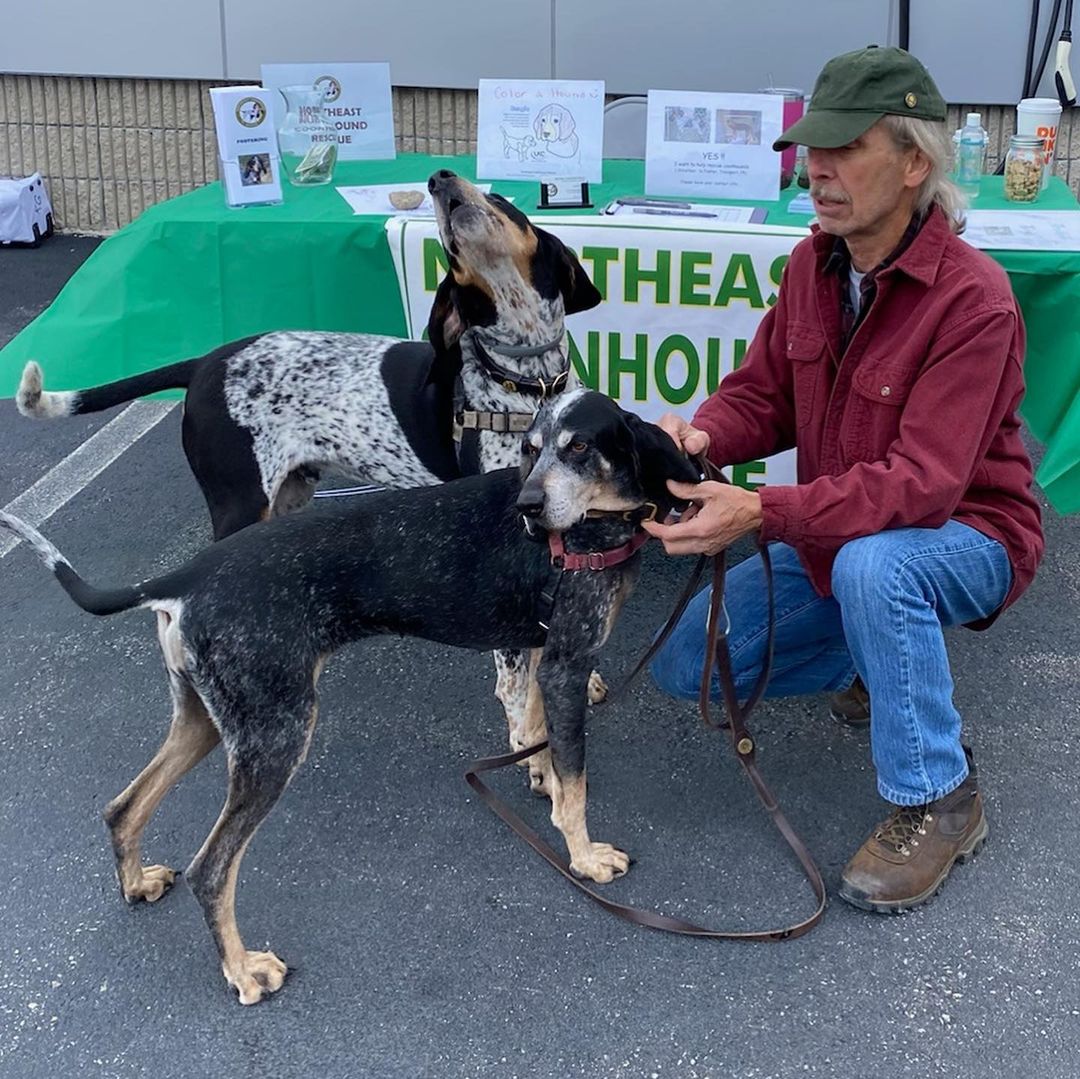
<point>33,400</point>
<point>91,599</point>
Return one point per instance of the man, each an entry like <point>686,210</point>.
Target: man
<point>892,361</point>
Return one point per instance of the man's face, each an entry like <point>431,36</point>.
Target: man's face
<point>865,187</point>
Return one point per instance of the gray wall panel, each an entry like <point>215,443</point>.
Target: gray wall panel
<point>112,37</point>
<point>428,43</point>
<point>976,49</point>
<point>710,44</point>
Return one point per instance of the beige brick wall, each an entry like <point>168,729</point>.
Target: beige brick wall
<point>108,148</point>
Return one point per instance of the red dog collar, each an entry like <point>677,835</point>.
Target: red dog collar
<point>560,559</point>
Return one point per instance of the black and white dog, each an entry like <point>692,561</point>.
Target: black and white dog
<point>246,626</point>
<point>263,417</point>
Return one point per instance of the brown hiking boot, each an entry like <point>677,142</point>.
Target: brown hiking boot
<point>852,706</point>
<point>910,854</point>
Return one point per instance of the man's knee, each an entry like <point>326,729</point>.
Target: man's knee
<point>868,570</point>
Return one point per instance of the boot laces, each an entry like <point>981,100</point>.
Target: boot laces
<point>903,828</point>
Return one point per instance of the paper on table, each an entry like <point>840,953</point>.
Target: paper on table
<point>1023,230</point>
<point>699,213</point>
<point>375,198</point>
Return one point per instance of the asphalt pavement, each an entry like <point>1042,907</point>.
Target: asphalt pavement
<point>423,939</point>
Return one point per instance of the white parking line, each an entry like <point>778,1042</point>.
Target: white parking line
<point>63,482</point>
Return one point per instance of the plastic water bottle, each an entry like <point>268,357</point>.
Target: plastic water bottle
<point>971,141</point>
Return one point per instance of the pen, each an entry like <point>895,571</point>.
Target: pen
<point>636,200</point>
<point>671,213</point>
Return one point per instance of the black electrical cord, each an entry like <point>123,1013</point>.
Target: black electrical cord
<point>1048,44</point>
<point>904,24</point>
<point>1033,31</point>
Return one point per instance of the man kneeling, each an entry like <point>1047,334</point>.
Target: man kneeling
<point>892,361</point>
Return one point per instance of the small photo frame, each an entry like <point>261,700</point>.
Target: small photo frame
<point>564,195</point>
<point>255,169</point>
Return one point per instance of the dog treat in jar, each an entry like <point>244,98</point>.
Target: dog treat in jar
<point>406,200</point>
<point>1024,167</point>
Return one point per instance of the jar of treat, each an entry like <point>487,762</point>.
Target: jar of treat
<point>1024,168</point>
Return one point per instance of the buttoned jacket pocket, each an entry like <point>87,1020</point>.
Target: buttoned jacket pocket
<point>872,418</point>
<point>806,350</point>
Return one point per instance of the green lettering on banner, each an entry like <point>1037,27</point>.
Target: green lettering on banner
<point>740,474</point>
<point>739,267</point>
<point>600,257</point>
<point>677,395</point>
<point>776,274</point>
<point>689,279</point>
<point>636,365</point>
<point>436,265</point>
<point>634,276</point>
<point>713,374</point>
<point>738,352</point>
<point>587,370</point>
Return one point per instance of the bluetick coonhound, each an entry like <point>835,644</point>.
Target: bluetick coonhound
<point>246,626</point>
<point>264,416</point>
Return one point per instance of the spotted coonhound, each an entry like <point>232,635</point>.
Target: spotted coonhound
<point>246,626</point>
<point>264,416</point>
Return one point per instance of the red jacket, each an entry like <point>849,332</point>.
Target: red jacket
<point>914,424</point>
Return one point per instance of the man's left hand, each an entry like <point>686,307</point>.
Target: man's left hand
<point>723,514</point>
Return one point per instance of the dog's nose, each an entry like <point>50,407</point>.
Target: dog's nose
<point>531,501</point>
<point>437,179</point>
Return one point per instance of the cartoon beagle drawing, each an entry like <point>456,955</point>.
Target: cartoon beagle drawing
<point>520,146</point>
<point>554,126</point>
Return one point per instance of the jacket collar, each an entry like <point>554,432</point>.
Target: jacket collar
<point>920,259</point>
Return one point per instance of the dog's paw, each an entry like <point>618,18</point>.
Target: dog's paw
<point>153,882</point>
<point>258,973</point>
<point>601,862</point>
<point>598,689</point>
<point>538,781</point>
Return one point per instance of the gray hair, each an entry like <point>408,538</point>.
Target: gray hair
<point>932,139</point>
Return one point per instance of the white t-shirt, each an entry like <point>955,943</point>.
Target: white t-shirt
<point>855,279</point>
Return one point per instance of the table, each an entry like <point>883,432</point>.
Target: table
<point>190,274</point>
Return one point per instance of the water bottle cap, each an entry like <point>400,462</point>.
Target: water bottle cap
<point>974,119</point>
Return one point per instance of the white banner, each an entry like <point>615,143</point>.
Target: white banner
<point>680,307</point>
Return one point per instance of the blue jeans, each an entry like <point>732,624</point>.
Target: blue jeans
<point>892,595</point>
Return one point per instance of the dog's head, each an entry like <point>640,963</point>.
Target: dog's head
<point>553,123</point>
<point>583,452</point>
<point>504,272</point>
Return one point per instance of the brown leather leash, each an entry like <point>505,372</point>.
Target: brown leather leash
<point>743,744</point>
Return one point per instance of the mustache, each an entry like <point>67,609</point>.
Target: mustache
<point>823,193</point>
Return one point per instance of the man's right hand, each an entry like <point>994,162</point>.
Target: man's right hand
<point>691,440</point>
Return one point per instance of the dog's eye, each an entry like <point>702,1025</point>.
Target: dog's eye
<point>578,447</point>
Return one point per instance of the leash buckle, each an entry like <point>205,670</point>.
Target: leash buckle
<point>596,560</point>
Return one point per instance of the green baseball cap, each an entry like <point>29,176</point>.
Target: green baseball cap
<point>856,90</point>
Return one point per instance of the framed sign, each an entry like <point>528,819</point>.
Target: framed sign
<point>716,146</point>
<point>357,102</point>
<point>538,129</point>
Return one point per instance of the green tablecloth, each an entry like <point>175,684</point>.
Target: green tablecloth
<point>190,274</point>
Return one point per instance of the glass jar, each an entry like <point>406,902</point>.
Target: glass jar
<point>307,139</point>
<point>1024,165</point>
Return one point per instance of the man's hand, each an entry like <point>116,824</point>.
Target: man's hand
<point>690,440</point>
<point>724,514</point>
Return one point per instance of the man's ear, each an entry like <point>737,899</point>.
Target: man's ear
<point>445,325</point>
<point>658,460</point>
<point>578,291</point>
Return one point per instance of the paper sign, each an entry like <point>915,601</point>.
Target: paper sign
<point>532,129</point>
<point>358,103</point>
<point>716,146</point>
<point>1023,230</point>
<point>247,145</point>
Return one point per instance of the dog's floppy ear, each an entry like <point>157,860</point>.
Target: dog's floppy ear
<point>658,460</point>
<point>445,325</point>
<point>578,291</point>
